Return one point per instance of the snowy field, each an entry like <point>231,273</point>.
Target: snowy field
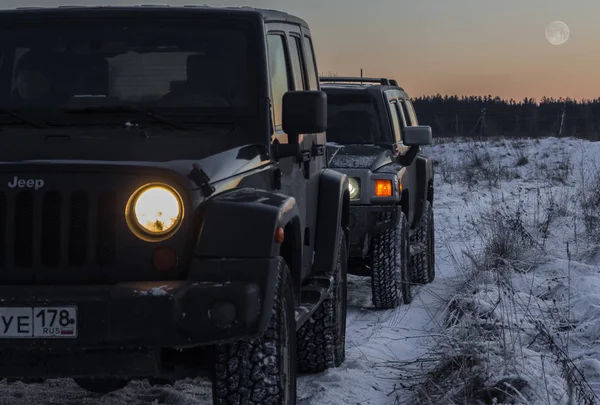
<point>513,311</point>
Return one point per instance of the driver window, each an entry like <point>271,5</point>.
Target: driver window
<point>399,112</point>
<point>278,70</point>
<point>395,121</point>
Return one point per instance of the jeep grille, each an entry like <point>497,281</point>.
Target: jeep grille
<point>51,229</point>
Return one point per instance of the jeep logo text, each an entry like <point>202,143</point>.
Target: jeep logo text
<point>36,184</point>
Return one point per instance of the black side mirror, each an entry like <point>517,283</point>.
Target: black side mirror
<point>304,112</point>
<point>418,135</point>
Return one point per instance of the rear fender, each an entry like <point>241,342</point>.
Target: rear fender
<point>424,166</point>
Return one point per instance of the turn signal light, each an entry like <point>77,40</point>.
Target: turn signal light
<point>279,235</point>
<point>164,259</point>
<point>383,188</point>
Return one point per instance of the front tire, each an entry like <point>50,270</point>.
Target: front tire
<point>322,339</point>
<point>262,371</point>
<point>390,280</point>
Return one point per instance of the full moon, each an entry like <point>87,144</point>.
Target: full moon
<point>557,33</point>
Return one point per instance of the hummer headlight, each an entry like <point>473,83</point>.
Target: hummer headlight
<point>354,188</point>
<point>154,212</point>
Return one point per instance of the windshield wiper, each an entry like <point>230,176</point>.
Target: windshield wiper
<point>174,124</point>
<point>23,119</point>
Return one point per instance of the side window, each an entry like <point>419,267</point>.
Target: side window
<point>395,121</point>
<point>278,69</point>
<point>403,114</point>
<point>296,56</point>
<point>311,67</point>
<point>409,121</point>
<point>411,112</point>
<point>400,114</point>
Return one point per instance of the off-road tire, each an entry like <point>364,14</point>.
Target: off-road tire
<point>101,385</point>
<point>422,264</point>
<point>390,280</point>
<point>321,341</point>
<point>262,371</point>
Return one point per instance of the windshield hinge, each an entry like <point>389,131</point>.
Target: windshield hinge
<point>199,177</point>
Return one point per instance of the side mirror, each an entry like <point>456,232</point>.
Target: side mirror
<point>418,136</point>
<point>304,112</point>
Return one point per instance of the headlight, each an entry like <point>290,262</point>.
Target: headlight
<point>154,212</point>
<point>354,188</point>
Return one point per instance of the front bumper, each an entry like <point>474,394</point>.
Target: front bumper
<point>124,329</point>
<point>222,300</point>
<point>369,220</point>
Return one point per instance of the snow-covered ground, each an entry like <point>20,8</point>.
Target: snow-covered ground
<point>509,298</point>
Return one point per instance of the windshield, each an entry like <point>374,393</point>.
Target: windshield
<point>165,65</point>
<point>352,118</point>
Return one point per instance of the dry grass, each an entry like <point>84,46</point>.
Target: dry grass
<point>501,343</point>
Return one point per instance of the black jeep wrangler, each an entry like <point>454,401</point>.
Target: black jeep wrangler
<point>167,210</point>
<point>374,137</point>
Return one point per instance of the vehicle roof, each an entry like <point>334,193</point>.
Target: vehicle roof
<point>373,89</point>
<point>267,14</point>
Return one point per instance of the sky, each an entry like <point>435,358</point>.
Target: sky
<point>463,47</point>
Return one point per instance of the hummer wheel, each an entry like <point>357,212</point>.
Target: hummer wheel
<point>390,280</point>
<point>423,263</point>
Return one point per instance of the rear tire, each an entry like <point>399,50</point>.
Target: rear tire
<point>322,339</point>
<point>101,385</point>
<point>390,280</point>
<point>423,264</point>
<point>262,371</point>
<point>431,244</point>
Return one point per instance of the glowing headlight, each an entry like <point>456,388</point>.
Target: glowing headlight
<point>354,188</point>
<point>156,210</point>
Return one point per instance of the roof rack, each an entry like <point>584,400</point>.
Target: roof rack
<point>380,80</point>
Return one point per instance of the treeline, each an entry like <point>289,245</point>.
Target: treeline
<point>492,116</point>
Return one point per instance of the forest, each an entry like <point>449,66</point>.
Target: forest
<point>492,116</point>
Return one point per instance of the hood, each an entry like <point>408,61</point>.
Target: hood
<point>117,149</point>
<point>370,157</point>
<point>217,167</point>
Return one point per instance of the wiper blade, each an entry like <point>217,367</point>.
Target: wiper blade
<point>23,118</point>
<point>124,109</point>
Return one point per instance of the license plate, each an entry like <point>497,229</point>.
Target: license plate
<point>38,322</point>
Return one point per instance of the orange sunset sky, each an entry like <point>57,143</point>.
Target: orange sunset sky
<point>476,47</point>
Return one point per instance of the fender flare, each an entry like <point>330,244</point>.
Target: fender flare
<point>332,214</point>
<point>241,223</point>
<point>424,166</point>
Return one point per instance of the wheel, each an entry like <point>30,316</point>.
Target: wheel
<point>390,281</point>
<point>431,245</point>
<point>404,260</point>
<point>262,371</point>
<point>423,263</point>
<point>101,385</point>
<point>322,339</point>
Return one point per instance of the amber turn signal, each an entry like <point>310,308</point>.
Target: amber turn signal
<point>164,259</point>
<point>383,188</point>
<point>279,235</point>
